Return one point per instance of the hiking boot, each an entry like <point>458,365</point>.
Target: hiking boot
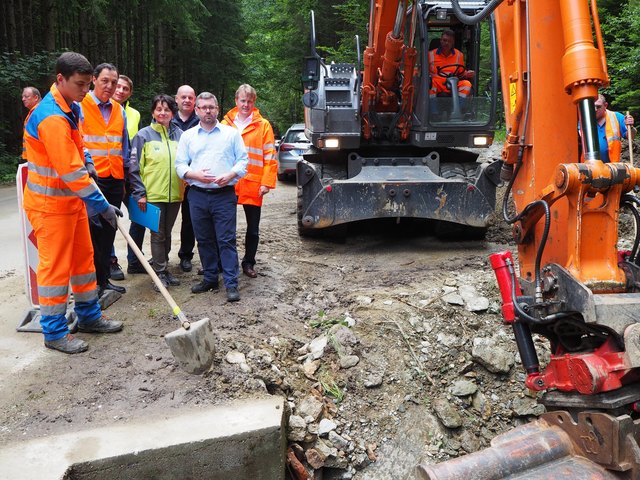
<point>68,344</point>
<point>163,279</point>
<point>102,325</point>
<point>171,280</point>
<point>185,265</point>
<point>135,268</point>
<point>116,271</point>
<point>233,295</point>
<point>205,286</point>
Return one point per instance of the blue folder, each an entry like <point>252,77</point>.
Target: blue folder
<point>149,219</point>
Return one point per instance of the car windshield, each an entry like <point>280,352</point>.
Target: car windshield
<point>296,136</point>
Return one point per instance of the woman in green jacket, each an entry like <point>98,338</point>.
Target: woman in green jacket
<point>153,178</point>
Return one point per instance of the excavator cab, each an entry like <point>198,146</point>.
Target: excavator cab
<point>451,103</point>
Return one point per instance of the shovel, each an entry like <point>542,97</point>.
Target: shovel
<point>192,345</point>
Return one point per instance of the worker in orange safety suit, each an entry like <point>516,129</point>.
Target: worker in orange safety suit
<point>258,138</point>
<point>57,190</point>
<point>443,61</point>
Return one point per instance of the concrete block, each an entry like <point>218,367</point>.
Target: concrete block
<point>240,440</point>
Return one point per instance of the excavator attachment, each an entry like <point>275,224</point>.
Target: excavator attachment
<point>595,446</point>
<point>462,194</point>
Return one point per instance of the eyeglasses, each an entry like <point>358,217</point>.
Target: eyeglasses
<point>599,107</point>
<point>207,109</point>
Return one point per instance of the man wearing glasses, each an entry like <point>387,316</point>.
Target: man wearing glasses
<point>612,128</point>
<point>211,158</point>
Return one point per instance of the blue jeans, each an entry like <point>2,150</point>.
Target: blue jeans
<point>213,215</point>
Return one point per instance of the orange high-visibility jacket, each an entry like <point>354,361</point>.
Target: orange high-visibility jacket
<point>24,146</point>
<point>438,63</point>
<point>104,141</point>
<point>612,131</point>
<point>57,181</point>
<point>263,166</point>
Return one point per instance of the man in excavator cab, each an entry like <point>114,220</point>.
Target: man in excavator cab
<point>448,74</point>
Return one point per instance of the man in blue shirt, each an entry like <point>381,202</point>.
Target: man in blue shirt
<point>211,158</point>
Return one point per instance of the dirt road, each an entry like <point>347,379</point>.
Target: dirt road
<point>387,284</point>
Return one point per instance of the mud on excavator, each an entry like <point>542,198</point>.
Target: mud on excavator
<point>382,146</point>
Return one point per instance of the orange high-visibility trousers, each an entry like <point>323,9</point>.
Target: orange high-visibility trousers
<point>66,257</point>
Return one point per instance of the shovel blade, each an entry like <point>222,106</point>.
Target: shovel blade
<point>193,349</point>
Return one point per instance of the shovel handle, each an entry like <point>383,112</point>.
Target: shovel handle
<point>154,276</point>
<point>630,144</point>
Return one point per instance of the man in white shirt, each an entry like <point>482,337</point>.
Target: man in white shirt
<point>211,158</point>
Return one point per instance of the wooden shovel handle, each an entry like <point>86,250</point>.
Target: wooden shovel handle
<point>630,144</point>
<point>154,276</point>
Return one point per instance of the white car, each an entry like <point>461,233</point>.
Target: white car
<point>294,144</point>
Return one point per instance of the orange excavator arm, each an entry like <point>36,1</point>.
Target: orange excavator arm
<point>574,287</point>
<point>384,65</point>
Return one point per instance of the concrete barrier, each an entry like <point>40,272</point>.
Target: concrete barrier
<point>241,440</point>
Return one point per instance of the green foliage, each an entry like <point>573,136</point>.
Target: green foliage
<point>353,16</point>
<point>621,34</point>
<point>17,69</point>
<point>8,165</point>
<point>142,97</point>
<point>324,322</point>
<point>330,385</point>
<point>216,45</point>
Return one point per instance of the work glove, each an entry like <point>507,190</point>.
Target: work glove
<point>91,170</point>
<point>111,214</point>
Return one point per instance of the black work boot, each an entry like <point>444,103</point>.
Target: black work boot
<point>102,325</point>
<point>233,295</point>
<point>115,270</point>
<point>68,344</point>
<point>185,265</point>
<point>205,286</point>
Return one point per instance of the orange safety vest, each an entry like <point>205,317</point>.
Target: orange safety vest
<point>263,166</point>
<point>438,63</point>
<point>612,132</point>
<point>58,181</point>
<point>24,146</point>
<point>104,141</point>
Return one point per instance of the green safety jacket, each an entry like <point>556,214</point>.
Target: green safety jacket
<point>133,119</point>
<point>152,164</point>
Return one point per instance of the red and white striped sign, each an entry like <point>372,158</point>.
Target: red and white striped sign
<point>29,243</point>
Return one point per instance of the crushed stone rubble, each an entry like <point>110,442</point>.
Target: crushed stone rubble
<point>345,396</point>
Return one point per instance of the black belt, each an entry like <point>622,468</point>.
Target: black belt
<point>212,191</point>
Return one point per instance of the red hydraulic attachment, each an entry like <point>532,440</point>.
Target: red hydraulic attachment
<point>598,371</point>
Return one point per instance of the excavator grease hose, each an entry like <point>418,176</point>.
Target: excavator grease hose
<point>478,17</point>
<point>628,201</point>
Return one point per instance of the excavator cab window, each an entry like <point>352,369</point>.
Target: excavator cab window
<point>457,68</point>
